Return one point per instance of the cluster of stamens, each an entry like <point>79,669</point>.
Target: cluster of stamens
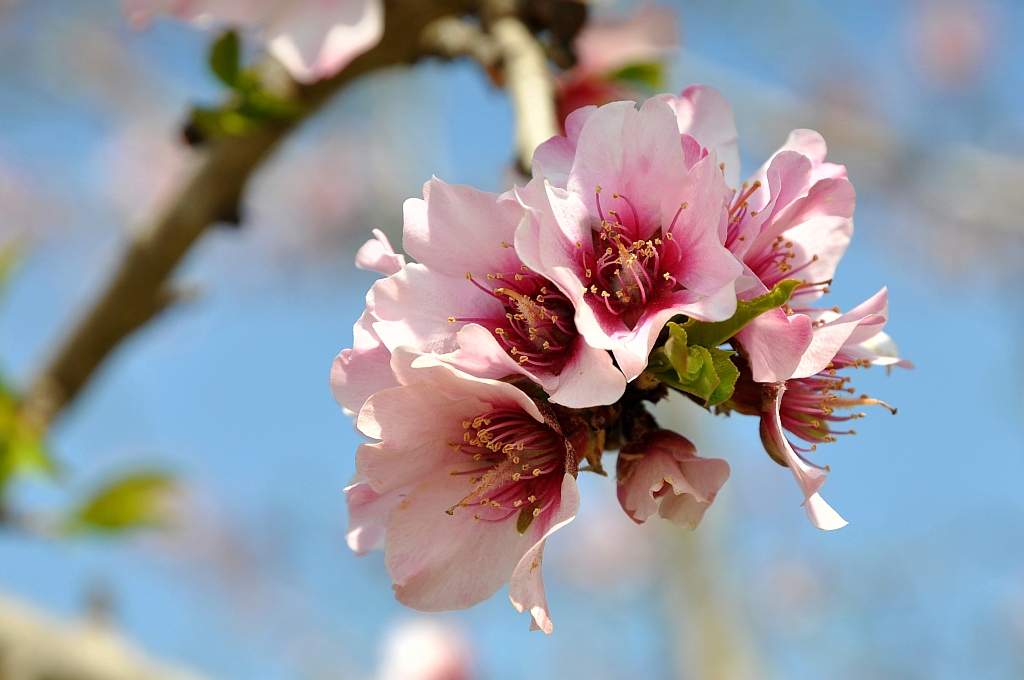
<point>809,405</point>
<point>625,272</point>
<point>537,328</point>
<point>518,465</point>
<point>774,263</point>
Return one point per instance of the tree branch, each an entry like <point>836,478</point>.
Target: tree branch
<point>450,38</point>
<point>527,76</point>
<point>138,290</point>
<point>35,647</point>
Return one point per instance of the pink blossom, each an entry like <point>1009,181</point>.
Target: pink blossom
<point>377,255</point>
<point>814,404</point>
<point>636,235</point>
<point>792,220</point>
<point>604,47</point>
<point>476,475</point>
<point>662,473</point>
<point>313,39</point>
<point>470,299</point>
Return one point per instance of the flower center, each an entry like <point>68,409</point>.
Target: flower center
<point>537,328</point>
<point>774,263</point>
<point>519,466</point>
<point>809,405</point>
<point>625,272</point>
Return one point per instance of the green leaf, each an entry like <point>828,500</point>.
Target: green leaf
<point>727,373</point>
<point>260,105</point>
<point>649,75</point>
<point>708,334</point>
<point>22,447</point>
<point>224,58</point>
<point>132,502</point>
<point>706,373</point>
<point>690,369</point>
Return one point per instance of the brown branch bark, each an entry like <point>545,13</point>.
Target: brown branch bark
<point>139,288</point>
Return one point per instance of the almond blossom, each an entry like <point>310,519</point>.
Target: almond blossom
<point>636,236</point>
<point>471,299</point>
<point>313,39</point>
<point>662,473</point>
<point>467,479</point>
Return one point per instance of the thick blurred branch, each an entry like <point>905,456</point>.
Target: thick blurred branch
<point>451,37</point>
<point>34,646</point>
<point>139,288</point>
<point>527,77</point>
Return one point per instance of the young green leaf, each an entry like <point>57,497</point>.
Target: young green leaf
<point>707,334</point>
<point>224,58</point>
<point>649,75</point>
<point>132,502</point>
<point>727,373</point>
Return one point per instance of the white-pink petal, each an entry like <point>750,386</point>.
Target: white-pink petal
<point>377,255</point>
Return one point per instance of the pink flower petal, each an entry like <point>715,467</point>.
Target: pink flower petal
<point>707,116</point>
<point>443,231</point>
<point>775,344</point>
<point>809,478</point>
<point>377,255</point>
<point>364,369</point>
<point>553,159</point>
<point>368,514</point>
<point>316,39</point>
<point>635,153</point>
<point>526,587</point>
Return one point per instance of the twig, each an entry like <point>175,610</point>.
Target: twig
<point>35,647</point>
<point>139,290</point>
<point>450,37</point>
<point>527,76</point>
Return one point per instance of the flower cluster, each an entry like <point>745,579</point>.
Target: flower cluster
<point>534,326</point>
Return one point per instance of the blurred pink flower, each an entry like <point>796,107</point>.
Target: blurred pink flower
<point>604,47</point>
<point>471,299</point>
<point>476,477</point>
<point>636,236</point>
<point>662,473</point>
<point>313,39</point>
<point>426,649</point>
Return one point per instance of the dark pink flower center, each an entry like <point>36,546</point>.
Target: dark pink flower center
<point>624,273</point>
<point>518,465</point>
<point>537,328</point>
<point>809,405</point>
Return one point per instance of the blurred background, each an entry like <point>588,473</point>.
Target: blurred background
<point>923,101</point>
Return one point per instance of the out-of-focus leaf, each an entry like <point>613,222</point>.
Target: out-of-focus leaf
<point>132,502</point>
<point>648,75</point>
<point>224,58</point>
<point>261,105</point>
